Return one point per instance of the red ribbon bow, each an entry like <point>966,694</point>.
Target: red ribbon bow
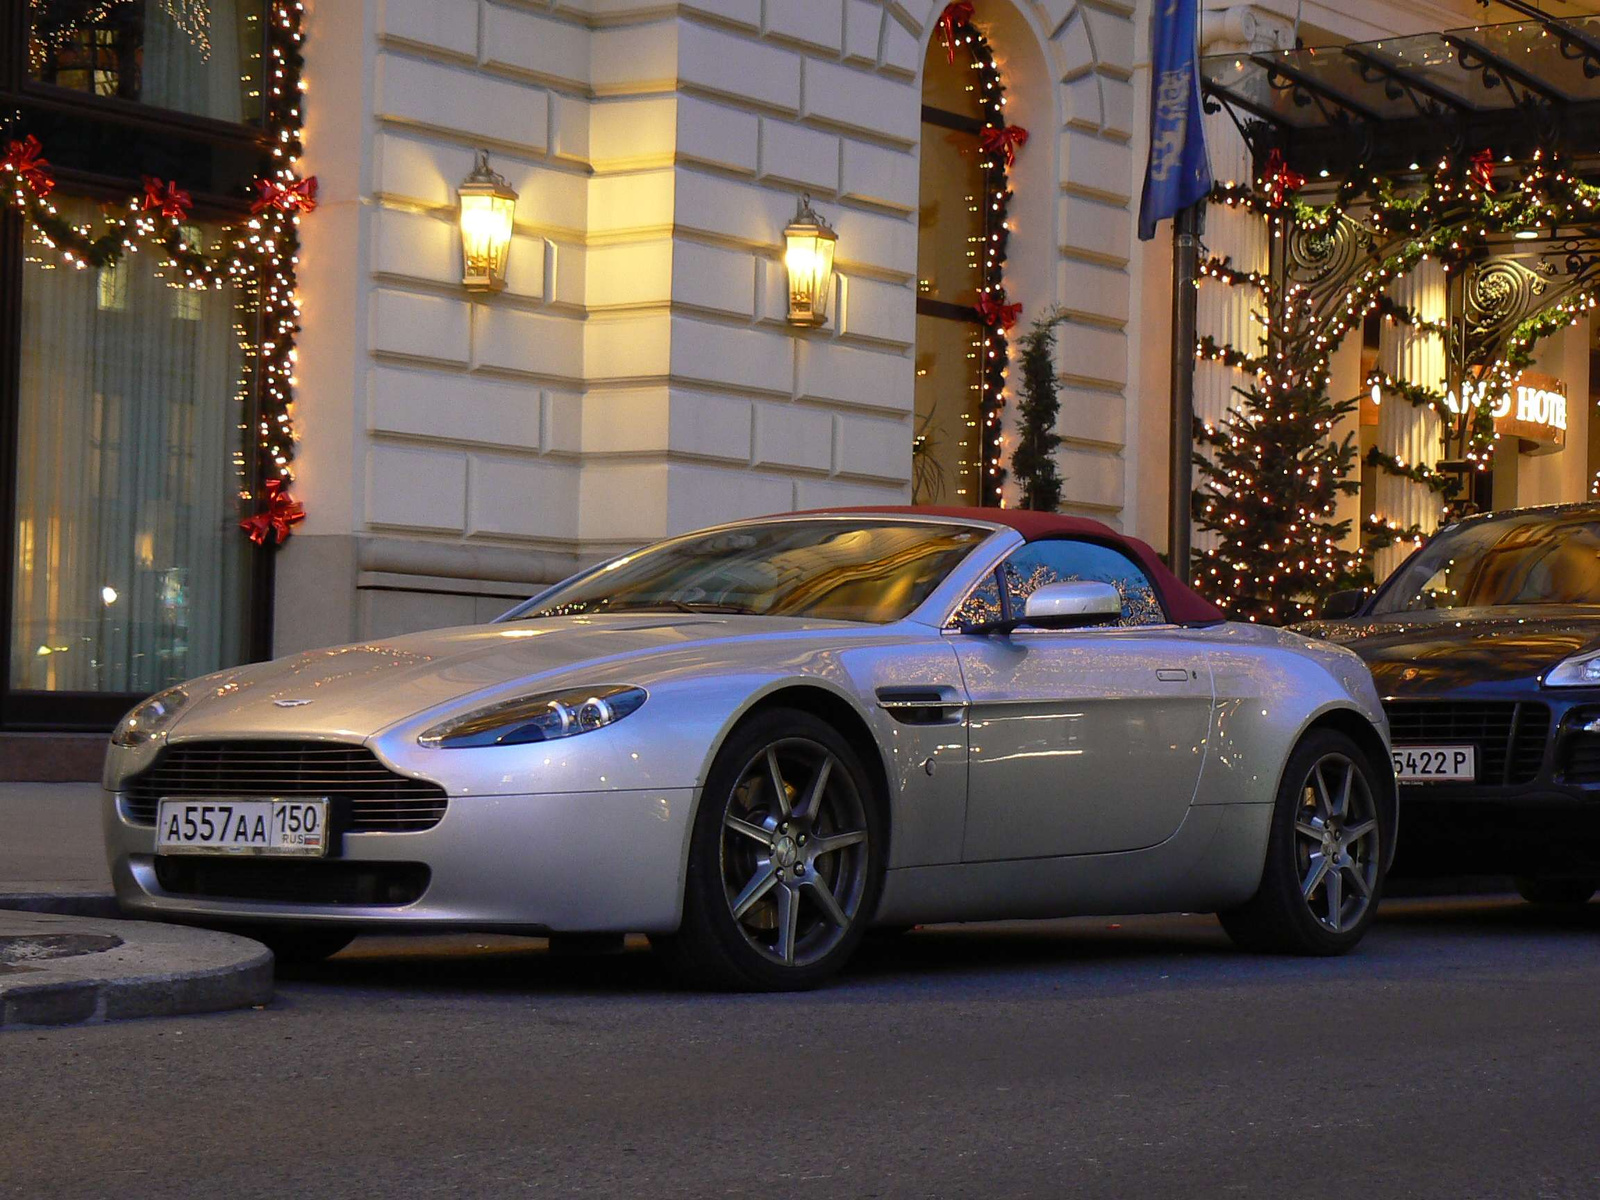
<point>1483,169</point>
<point>997,311</point>
<point>24,158</point>
<point>1281,180</point>
<point>299,196</point>
<point>173,202</point>
<point>1005,140</point>
<point>955,14</point>
<point>282,513</point>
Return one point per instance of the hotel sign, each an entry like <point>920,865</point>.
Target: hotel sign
<point>1534,411</point>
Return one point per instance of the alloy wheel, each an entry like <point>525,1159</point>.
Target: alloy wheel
<point>795,851</point>
<point>1337,843</point>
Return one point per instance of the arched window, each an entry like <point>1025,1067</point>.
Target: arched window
<point>947,454</point>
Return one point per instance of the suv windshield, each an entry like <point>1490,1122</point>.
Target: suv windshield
<point>875,571</point>
<point>1532,558</point>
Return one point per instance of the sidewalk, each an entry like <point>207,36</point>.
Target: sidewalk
<point>64,959</point>
<point>52,858</point>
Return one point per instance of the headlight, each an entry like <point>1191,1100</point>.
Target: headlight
<point>536,718</point>
<point>150,719</point>
<point>1581,670</point>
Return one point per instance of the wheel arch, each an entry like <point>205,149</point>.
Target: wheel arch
<point>826,705</point>
<point>1358,728</point>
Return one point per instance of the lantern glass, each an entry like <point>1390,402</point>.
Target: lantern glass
<point>810,245</point>
<point>488,206</point>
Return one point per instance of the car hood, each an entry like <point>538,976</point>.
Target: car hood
<point>1446,649</point>
<point>357,690</point>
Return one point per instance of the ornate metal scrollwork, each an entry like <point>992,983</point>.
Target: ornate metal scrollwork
<point>1499,292</point>
<point>1535,99</point>
<point>1323,260</point>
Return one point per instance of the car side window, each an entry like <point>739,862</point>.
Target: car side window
<point>981,607</point>
<point>1068,561</point>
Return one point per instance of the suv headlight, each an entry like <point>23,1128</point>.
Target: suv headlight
<point>1581,670</point>
<point>150,719</point>
<point>536,718</point>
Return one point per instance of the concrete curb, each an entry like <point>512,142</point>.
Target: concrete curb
<point>70,970</point>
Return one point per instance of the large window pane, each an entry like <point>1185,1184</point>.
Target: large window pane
<point>130,570</point>
<point>947,443</point>
<point>1065,561</point>
<point>947,446</point>
<point>195,56</point>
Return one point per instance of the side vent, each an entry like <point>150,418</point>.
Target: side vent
<point>922,705</point>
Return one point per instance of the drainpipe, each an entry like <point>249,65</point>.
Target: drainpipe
<point>1185,270</point>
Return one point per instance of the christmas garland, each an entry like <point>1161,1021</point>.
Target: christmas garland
<point>260,252</point>
<point>1433,480</point>
<point>1209,349</point>
<point>998,143</point>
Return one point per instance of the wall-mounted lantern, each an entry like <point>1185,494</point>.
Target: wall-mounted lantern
<point>810,245</point>
<point>488,204</point>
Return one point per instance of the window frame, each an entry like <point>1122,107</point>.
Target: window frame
<point>996,574</point>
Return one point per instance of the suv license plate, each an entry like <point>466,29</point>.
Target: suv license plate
<point>1435,764</point>
<point>220,825</point>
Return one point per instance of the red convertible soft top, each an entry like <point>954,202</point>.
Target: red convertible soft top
<point>1184,605</point>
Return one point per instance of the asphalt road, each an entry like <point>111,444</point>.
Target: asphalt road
<point>1455,1055</point>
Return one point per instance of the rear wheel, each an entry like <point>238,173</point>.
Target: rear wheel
<point>785,861</point>
<point>1555,891</point>
<point>1324,869</point>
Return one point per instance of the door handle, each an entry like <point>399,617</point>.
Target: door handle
<point>922,705</point>
<point>1173,675</point>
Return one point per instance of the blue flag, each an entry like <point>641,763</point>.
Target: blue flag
<point>1179,172</point>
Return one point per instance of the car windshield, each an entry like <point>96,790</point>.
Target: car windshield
<point>874,571</point>
<point>1533,558</point>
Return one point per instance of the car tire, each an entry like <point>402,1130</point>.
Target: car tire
<point>1323,875</point>
<point>786,860</point>
<point>1568,892</point>
<point>297,947</point>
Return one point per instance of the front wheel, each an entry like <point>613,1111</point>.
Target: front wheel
<point>785,860</point>
<point>1324,868</point>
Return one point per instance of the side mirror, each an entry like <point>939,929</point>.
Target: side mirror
<point>1341,605</point>
<point>1072,605</point>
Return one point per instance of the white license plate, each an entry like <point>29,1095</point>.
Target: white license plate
<point>1435,764</point>
<point>221,825</point>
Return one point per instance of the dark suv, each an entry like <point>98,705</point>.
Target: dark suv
<point>1485,645</point>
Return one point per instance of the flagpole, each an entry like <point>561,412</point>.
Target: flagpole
<point>1185,271</point>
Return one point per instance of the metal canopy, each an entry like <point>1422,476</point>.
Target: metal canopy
<point>1515,88</point>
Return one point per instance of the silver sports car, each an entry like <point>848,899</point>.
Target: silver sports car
<point>754,742</point>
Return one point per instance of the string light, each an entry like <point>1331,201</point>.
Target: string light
<point>998,143</point>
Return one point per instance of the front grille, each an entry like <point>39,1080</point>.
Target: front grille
<point>326,882</point>
<point>1583,758</point>
<point>1510,737</point>
<point>364,795</point>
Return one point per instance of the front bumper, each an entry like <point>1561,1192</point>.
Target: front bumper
<point>601,862</point>
<point>1535,808</point>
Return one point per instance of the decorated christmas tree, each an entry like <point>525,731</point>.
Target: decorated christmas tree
<point>1270,487</point>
